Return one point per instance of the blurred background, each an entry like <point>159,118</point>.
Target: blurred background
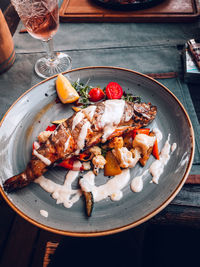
<point>4,4</point>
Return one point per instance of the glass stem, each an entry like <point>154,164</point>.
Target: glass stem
<point>48,45</point>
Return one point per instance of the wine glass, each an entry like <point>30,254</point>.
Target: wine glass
<point>41,19</point>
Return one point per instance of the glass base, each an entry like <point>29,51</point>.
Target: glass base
<point>46,68</point>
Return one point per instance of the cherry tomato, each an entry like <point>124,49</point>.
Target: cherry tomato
<point>96,94</point>
<point>114,90</point>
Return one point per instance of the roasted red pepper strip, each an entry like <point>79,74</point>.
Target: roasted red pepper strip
<point>67,163</point>
<point>141,131</point>
<point>51,128</point>
<point>155,150</point>
<point>84,156</point>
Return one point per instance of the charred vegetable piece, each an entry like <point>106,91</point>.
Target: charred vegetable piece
<point>67,163</point>
<point>112,166</point>
<point>128,140</point>
<point>141,131</point>
<point>143,160</point>
<point>155,151</point>
<point>89,202</point>
<point>85,156</point>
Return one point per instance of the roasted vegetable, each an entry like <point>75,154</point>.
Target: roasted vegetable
<point>155,151</point>
<point>112,166</point>
<point>143,160</point>
<point>145,156</point>
<point>58,121</point>
<point>141,131</point>
<point>128,140</point>
<point>67,163</point>
<point>85,156</point>
<point>76,109</point>
<point>116,142</point>
<point>89,202</point>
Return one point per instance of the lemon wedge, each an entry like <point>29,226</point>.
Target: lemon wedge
<point>65,91</point>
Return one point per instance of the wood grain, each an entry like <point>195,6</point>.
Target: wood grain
<point>167,11</point>
<point>24,235</point>
<point>193,179</point>
<point>178,215</point>
<point>165,75</point>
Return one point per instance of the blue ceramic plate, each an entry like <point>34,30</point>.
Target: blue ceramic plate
<point>36,108</point>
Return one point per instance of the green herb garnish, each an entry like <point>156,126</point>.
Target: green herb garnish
<point>83,91</point>
<point>131,98</point>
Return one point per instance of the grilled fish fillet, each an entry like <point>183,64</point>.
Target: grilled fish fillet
<point>92,125</point>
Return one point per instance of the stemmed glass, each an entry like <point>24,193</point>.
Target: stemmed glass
<point>41,19</point>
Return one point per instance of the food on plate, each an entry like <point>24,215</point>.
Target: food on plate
<point>114,91</point>
<point>155,150</point>
<point>89,203</point>
<point>90,126</point>
<point>112,166</point>
<point>96,94</point>
<point>65,91</point>
<point>109,135</point>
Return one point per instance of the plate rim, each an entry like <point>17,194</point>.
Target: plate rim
<point>127,226</point>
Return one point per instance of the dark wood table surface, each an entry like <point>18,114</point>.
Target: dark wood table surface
<point>14,229</point>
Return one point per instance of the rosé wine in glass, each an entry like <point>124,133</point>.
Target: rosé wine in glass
<point>41,19</point>
<point>42,27</point>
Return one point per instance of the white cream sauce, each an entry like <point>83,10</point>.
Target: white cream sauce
<point>143,142</point>
<point>45,160</point>
<point>157,167</point>
<point>44,213</point>
<point>67,143</point>
<point>82,135</point>
<point>77,119</point>
<point>113,188</point>
<point>113,112</point>
<point>64,194</point>
<point>158,134</point>
<point>128,114</point>
<point>36,145</point>
<point>89,111</point>
<point>77,165</point>
<point>108,130</point>
<point>137,182</point>
<point>174,146</point>
<point>86,165</point>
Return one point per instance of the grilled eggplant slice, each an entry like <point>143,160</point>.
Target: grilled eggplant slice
<point>89,202</point>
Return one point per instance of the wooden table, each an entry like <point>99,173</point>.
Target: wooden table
<point>182,211</point>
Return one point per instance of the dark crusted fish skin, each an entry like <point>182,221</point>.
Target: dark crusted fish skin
<point>54,148</point>
<point>144,114</point>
